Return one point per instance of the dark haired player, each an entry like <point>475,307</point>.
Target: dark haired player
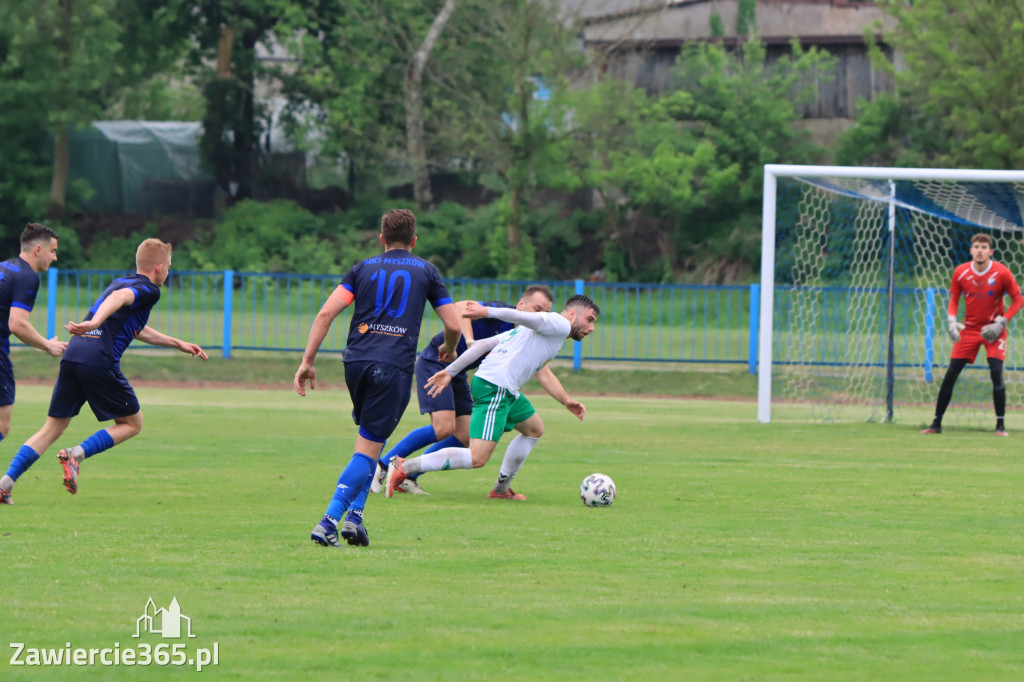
<point>389,294</point>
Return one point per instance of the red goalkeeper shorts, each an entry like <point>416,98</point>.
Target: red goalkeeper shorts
<point>970,341</point>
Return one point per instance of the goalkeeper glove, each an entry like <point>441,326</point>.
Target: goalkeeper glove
<point>954,327</point>
<point>991,332</point>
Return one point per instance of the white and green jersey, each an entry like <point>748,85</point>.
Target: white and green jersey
<point>522,351</point>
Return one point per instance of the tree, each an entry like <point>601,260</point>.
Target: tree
<point>688,163</point>
<point>749,110</point>
<point>226,33</point>
<point>61,55</point>
<point>69,59</point>
<point>413,87</point>
<point>962,81</point>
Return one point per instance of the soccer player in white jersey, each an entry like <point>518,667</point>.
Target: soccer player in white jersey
<point>498,406</point>
<point>984,284</point>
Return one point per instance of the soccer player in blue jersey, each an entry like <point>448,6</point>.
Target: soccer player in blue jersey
<point>389,294</point>
<point>90,371</point>
<point>19,282</point>
<point>451,409</point>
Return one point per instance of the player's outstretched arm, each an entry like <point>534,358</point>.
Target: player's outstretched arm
<point>111,303</point>
<point>452,331</point>
<point>465,323</point>
<point>335,303</point>
<point>475,311</point>
<point>21,327</point>
<point>479,349</point>
<point>550,383</point>
<point>155,338</point>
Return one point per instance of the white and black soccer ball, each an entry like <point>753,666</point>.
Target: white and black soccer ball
<point>597,490</point>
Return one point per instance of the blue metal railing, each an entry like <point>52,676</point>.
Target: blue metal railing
<point>273,312</point>
<point>656,323</point>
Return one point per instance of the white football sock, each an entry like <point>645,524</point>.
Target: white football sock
<point>515,456</point>
<point>6,482</point>
<point>445,458</point>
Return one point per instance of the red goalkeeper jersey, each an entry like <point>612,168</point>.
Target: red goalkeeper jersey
<point>984,293</point>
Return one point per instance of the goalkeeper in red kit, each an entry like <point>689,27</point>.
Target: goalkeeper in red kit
<point>984,283</point>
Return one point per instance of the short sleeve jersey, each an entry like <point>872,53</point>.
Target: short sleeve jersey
<point>522,351</point>
<point>104,346</point>
<point>983,292</point>
<point>18,286</point>
<point>482,329</point>
<point>390,293</point>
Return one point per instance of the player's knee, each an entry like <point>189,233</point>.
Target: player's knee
<point>533,429</point>
<point>480,459</point>
<point>133,425</point>
<point>5,428</point>
<point>443,429</point>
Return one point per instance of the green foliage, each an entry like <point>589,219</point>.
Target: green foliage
<point>891,131</point>
<point>962,81</point>
<point>161,99</point>
<point>746,18</point>
<point>117,253</point>
<point>716,25</point>
<point>684,168</point>
<point>454,238</point>
<point>277,236</point>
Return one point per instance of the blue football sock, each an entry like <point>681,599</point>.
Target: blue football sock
<point>25,458</point>
<point>449,442</point>
<point>97,443</point>
<point>356,476</point>
<point>359,504</point>
<point>417,439</point>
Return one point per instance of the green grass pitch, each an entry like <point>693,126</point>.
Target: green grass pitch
<point>735,551</point>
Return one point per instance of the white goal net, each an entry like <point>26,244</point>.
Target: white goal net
<point>855,276</point>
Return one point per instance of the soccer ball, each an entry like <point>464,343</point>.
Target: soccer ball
<point>597,490</point>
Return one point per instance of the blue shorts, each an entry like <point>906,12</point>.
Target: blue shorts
<point>105,389</point>
<point>6,380</point>
<point>380,393</point>
<point>456,397</point>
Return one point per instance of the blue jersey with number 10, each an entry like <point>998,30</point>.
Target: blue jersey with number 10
<point>390,294</point>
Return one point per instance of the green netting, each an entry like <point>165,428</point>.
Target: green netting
<point>142,167</point>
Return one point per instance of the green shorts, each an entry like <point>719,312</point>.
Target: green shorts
<point>496,410</point>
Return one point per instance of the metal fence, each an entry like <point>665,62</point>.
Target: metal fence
<point>273,312</point>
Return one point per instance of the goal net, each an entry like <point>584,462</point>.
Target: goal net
<point>855,276</point>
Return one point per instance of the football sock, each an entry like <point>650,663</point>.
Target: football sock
<point>1000,426</point>
<point>998,390</point>
<point>6,482</point>
<point>25,458</point>
<point>418,438</point>
<point>359,503</point>
<point>442,460</point>
<point>449,442</point>
<point>353,479</point>
<point>956,365</point>
<point>95,444</point>
<point>515,456</point>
